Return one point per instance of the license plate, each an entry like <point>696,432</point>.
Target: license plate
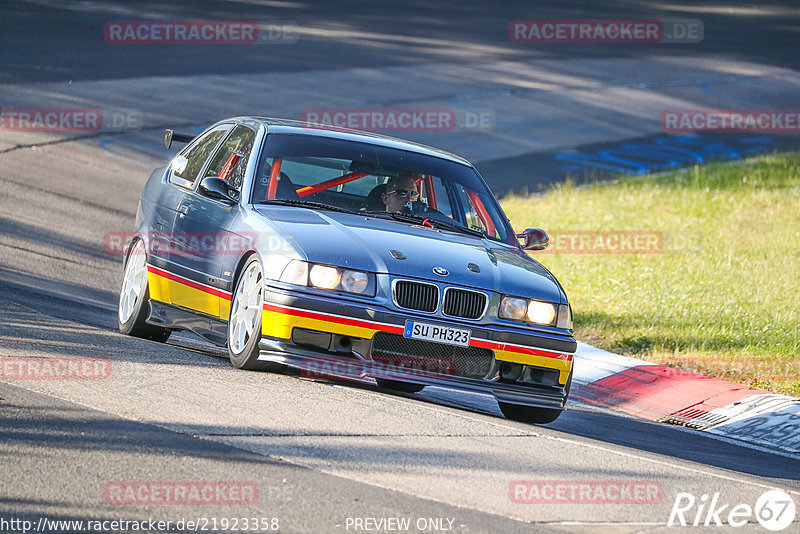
<point>438,334</point>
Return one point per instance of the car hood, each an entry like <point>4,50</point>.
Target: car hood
<point>371,244</point>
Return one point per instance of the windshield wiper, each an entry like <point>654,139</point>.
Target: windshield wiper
<point>455,227</point>
<point>437,223</point>
<point>307,204</point>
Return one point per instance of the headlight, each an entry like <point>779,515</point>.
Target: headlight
<point>324,277</point>
<point>535,311</point>
<point>513,308</point>
<point>354,281</point>
<point>302,273</point>
<point>541,312</point>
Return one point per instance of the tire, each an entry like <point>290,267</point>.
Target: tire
<point>134,298</point>
<point>529,414</point>
<point>244,323</point>
<point>396,385</point>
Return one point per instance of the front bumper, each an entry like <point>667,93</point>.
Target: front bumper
<point>350,328</point>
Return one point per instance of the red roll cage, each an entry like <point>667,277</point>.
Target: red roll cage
<point>419,179</point>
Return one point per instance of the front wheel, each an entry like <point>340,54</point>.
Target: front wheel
<point>134,298</point>
<point>244,323</point>
<point>529,414</point>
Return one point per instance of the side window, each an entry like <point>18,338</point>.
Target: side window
<point>230,161</point>
<point>186,166</point>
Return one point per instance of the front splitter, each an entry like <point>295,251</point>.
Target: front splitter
<point>313,364</point>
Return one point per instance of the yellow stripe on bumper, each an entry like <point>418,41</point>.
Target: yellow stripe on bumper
<point>278,322</point>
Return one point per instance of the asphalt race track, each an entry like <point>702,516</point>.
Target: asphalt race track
<point>325,456</point>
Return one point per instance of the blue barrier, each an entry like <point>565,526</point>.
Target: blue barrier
<point>663,153</point>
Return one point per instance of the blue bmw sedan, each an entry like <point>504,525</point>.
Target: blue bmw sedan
<point>347,255</point>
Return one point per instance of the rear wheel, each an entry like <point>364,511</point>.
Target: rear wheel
<point>396,385</point>
<point>529,414</point>
<point>134,298</point>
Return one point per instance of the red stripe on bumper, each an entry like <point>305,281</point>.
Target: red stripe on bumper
<point>334,318</point>
<point>394,329</point>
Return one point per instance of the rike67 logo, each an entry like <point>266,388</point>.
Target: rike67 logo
<point>774,510</point>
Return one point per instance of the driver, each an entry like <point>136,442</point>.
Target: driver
<point>400,191</point>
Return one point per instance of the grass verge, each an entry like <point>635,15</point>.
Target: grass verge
<point>721,294</point>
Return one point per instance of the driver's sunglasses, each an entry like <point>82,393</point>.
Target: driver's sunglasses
<point>403,193</point>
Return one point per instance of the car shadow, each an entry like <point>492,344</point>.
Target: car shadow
<point>606,426</point>
<point>600,425</point>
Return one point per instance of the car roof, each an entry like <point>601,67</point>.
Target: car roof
<point>288,126</point>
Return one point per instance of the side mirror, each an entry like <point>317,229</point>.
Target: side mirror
<point>535,239</point>
<point>216,187</point>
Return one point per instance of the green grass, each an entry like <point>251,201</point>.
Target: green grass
<point>722,298</point>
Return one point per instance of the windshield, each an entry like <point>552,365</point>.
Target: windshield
<point>383,181</point>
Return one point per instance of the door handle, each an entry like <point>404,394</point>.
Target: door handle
<point>182,211</point>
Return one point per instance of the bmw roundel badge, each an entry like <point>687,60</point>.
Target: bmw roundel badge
<point>441,271</point>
